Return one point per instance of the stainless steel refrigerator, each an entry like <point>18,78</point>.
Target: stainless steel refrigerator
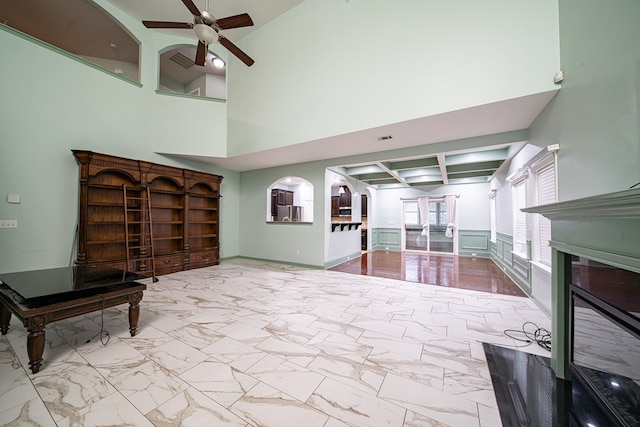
<point>289,213</point>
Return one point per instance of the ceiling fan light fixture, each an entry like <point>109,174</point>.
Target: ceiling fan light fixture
<point>205,33</point>
<point>217,62</point>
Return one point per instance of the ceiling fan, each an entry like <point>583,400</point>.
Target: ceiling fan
<point>207,29</point>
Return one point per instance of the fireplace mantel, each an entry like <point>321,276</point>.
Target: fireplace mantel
<point>621,204</point>
<point>604,228</point>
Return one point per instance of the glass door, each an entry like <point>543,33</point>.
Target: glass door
<point>436,239</point>
<point>412,225</point>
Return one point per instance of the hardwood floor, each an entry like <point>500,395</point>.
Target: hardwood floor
<point>479,274</point>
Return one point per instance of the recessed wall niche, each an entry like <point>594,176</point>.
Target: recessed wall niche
<point>290,199</point>
<point>71,27</point>
<point>179,74</point>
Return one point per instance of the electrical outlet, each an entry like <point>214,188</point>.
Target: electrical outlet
<point>8,223</point>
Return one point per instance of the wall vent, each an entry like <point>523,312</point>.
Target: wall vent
<point>384,138</point>
<point>182,60</point>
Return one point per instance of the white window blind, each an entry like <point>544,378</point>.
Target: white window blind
<point>519,218</point>
<point>494,222</point>
<point>545,184</point>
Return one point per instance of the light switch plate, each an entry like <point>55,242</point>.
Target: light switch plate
<point>8,223</point>
<point>14,198</point>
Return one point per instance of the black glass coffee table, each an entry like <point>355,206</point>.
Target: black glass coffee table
<point>40,297</point>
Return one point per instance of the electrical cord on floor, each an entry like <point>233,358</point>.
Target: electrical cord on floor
<point>540,336</point>
<point>103,332</point>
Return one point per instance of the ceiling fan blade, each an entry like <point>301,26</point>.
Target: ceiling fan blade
<point>235,50</point>
<point>162,24</point>
<point>236,21</point>
<point>201,54</point>
<point>192,7</point>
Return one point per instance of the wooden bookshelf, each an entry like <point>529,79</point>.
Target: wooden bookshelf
<point>184,208</point>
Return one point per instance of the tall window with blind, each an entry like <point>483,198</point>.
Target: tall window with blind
<point>544,176</point>
<point>494,220</point>
<point>519,218</point>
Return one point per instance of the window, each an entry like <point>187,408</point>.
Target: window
<point>437,213</point>
<point>494,222</point>
<point>519,218</point>
<point>544,176</point>
<point>411,214</point>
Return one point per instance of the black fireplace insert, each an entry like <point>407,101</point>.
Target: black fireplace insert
<point>605,338</point>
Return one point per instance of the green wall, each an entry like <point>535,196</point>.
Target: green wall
<point>332,67</point>
<point>595,120</point>
<point>52,103</point>
<point>595,117</point>
<point>315,85</point>
<point>297,243</point>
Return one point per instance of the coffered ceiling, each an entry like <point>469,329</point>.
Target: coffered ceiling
<point>474,166</point>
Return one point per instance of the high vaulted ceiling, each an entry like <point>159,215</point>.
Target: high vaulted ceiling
<point>397,161</point>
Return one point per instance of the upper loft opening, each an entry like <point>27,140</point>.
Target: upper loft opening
<point>179,73</point>
<point>79,27</point>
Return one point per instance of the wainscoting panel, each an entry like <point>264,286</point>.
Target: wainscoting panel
<point>517,268</point>
<point>386,239</point>
<point>474,243</point>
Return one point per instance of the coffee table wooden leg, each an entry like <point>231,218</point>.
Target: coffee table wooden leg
<point>35,342</point>
<point>134,313</point>
<point>5,319</point>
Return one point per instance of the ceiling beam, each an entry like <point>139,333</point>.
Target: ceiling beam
<point>443,167</point>
<point>393,174</point>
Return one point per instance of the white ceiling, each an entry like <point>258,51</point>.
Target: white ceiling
<point>511,115</point>
<point>261,12</point>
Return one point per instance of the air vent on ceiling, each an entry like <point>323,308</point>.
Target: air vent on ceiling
<point>182,60</point>
<point>384,138</point>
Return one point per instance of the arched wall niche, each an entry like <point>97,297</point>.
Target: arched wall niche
<point>177,72</point>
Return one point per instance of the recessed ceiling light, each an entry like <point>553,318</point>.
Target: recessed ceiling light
<point>217,62</point>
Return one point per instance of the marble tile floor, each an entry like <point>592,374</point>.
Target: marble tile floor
<point>249,343</point>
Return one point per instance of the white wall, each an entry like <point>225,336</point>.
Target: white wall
<point>330,67</point>
<point>211,85</point>
<point>473,205</point>
<point>216,86</point>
